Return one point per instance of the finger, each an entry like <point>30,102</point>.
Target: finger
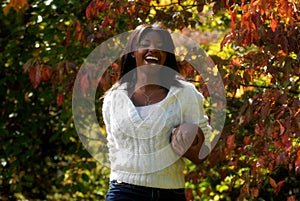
<point>177,144</point>
<point>183,137</point>
<point>203,152</point>
<point>189,138</point>
<point>177,148</point>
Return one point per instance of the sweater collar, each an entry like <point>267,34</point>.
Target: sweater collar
<point>172,91</point>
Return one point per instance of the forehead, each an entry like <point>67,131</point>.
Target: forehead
<point>162,37</point>
<point>151,35</point>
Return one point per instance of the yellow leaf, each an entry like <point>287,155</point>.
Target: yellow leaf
<point>164,2</point>
<point>239,92</point>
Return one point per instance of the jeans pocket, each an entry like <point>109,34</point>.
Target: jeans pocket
<point>124,192</point>
<point>117,191</point>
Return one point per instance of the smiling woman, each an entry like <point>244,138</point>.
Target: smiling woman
<point>152,118</point>
<point>149,44</point>
<point>150,50</point>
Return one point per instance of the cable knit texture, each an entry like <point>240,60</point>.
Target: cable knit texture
<point>139,148</point>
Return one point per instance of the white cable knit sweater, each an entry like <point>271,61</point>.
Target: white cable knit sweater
<point>139,149</point>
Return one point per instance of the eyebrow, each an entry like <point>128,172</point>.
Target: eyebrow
<point>148,40</point>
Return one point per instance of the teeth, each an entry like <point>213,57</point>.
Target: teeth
<point>152,58</point>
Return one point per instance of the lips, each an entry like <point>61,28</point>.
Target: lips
<point>151,59</point>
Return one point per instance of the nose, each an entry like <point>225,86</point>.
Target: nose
<point>153,50</point>
<point>153,47</point>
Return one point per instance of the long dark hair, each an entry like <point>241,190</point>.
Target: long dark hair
<point>128,63</point>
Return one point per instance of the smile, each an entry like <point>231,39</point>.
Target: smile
<point>151,59</point>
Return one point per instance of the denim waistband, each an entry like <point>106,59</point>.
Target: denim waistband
<point>123,191</point>
<point>119,182</point>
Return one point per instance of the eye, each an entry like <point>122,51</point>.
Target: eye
<point>144,44</point>
<point>159,45</point>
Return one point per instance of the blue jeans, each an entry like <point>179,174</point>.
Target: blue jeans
<point>120,191</point>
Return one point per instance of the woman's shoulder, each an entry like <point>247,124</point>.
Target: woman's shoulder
<point>185,85</point>
<point>115,90</point>
<point>188,89</point>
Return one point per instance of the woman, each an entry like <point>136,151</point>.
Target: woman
<point>154,119</point>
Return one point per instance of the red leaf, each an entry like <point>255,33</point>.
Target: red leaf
<point>292,198</point>
<point>35,75</point>
<point>189,194</point>
<point>231,141</point>
<point>273,182</point>
<point>245,188</point>
<point>282,128</point>
<point>235,61</point>
<point>85,84</point>
<point>88,11</point>
<point>17,5</point>
<point>94,8</point>
<point>255,192</point>
<point>255,17</point>
<point>77,26</point>
<point>247,140</point>
<point>248,74</point>
<point>78,32</point>
<point>279,186</point>
<point>108,21</point>
<point>233,19</point>
<point>274,24</point>
<point>265,111</point>
<point>60,99</point>
<point>259,130</point>
<point>46,72</point>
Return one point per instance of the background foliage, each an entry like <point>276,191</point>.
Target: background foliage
<point>254,43</point>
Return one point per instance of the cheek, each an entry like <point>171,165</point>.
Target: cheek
<point>138,57</point>
<point>139,54</point>
<point>164,57</point>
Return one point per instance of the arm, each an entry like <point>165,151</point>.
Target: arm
<point>194,123</point>
<point>187,140</point>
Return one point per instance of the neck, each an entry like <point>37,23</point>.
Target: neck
<point>149,88</point>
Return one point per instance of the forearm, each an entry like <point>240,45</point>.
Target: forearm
<point>187,140</point>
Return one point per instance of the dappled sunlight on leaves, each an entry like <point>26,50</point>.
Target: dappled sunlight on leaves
<point>254,45</point>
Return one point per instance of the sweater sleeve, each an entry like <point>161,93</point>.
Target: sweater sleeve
<point>106,113</point>
<point>193,112</point>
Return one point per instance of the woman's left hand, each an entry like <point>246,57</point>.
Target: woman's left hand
<point>187,140</point>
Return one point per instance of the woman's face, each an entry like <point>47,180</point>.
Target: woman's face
<point>150,50</point>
